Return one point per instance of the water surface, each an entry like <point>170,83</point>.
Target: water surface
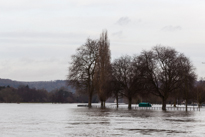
<point>57,120</point>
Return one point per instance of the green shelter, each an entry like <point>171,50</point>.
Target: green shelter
<point>145,104</point>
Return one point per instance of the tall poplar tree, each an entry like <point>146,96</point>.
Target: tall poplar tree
<point>103,68</point>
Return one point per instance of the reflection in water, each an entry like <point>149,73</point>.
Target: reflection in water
<point>68,120</point>
<point>182,120</point>
<point>150,131</point>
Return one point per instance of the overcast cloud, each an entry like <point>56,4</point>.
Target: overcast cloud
<point>123,21</point>
<point>38,37</point>
<point>171,28</point>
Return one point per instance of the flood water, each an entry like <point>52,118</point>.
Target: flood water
<point>68,120</point>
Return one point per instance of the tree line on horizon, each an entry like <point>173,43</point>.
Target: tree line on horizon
<point>25,94</point>
<point>162,72</point>
<point>48,85</point>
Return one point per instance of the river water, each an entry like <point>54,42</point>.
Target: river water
<point>68,120</point>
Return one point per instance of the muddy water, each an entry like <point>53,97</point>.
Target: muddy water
<point>57,120</point>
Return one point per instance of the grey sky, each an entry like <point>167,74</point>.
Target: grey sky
<point>38,37</point>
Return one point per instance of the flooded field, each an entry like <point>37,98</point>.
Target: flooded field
<point>58,120</point>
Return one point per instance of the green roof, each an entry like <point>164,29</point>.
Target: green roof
<point>144,104</point>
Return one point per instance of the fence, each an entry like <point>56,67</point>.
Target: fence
<point>152,108</point>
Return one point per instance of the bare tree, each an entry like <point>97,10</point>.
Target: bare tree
<point>82,69</point>
<point>128,76</point>
<point>199,92</point>
<point>115,88</point>
<point>103,69</point>
<point>166,71</point>
<point>188,75</point>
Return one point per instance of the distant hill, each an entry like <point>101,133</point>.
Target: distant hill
<point>48,85</point>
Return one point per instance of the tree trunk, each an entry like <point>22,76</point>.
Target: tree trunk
<point>130,103</point>
<point>90,101</point>
<point>187,88</point>
<point>164,104</point>
<point>101,104</point>
<point>104,104</point>
<point>117,100</point>
<point>186,100</point>
<point>175,102</point>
